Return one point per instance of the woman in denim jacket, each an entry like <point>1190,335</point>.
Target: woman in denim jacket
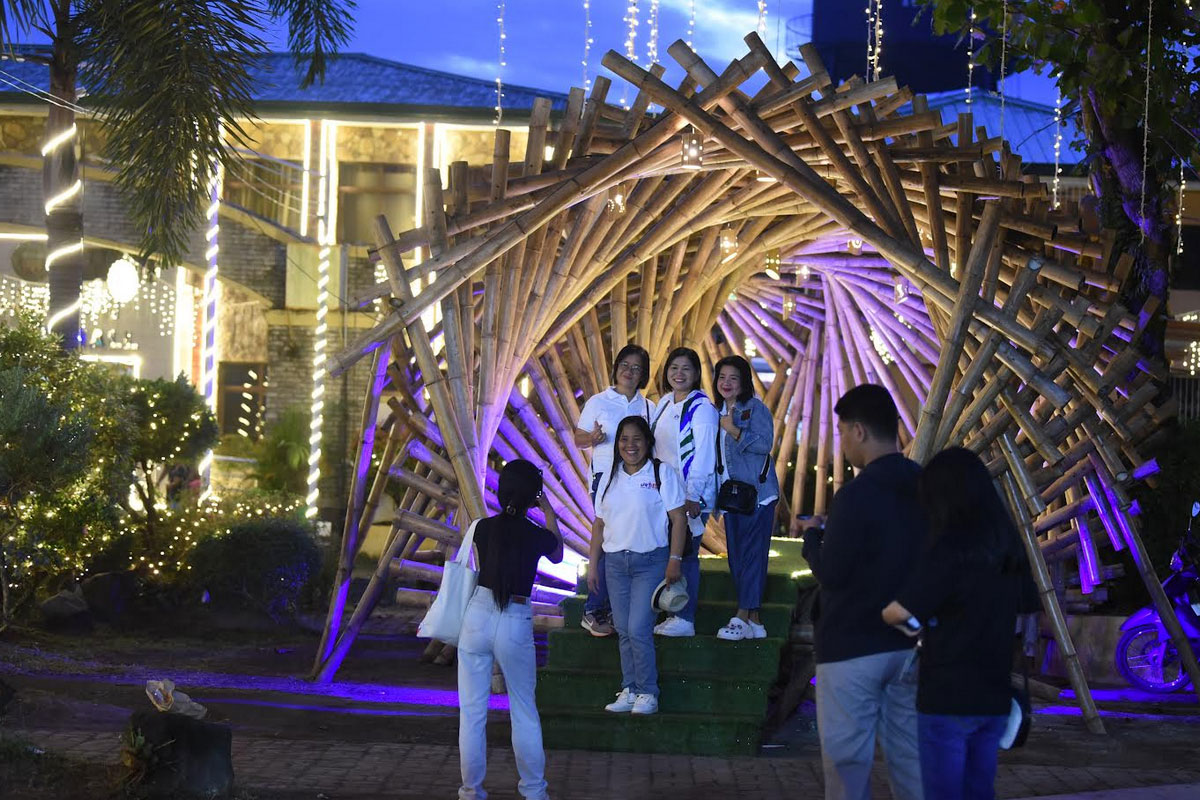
<point>744,445</point>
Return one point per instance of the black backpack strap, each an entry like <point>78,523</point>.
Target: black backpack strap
<point>657,479</point>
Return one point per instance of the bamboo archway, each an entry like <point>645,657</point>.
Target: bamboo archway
<point>842,234</point>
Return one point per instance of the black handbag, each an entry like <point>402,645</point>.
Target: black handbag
<point>734,496</point>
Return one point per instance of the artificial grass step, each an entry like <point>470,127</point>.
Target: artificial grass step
<point>664,732</point>
<point>711,615</point>
<point>575,648</point>
<point>593,689</point>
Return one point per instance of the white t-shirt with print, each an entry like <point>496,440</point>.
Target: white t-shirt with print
<point>635,511</point>
<point>609,408</point>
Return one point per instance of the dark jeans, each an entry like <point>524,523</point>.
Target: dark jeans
<point>958,755</point>
<point>748,540</point>
<point>597,602</point>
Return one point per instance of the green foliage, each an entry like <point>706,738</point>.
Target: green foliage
<point>184,66</point>
<point>43,444</point>
<point>282,452</point>
<point>1097,52</point>
<point>172,422</point>
<point>267,564</point>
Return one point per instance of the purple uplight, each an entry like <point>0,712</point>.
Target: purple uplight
<point>371,712</point>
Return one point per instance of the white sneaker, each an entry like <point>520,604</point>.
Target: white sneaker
<point>645,704</point>
<point>675,626</point>
<point>624,703</point>
<point>735,630</point>
<point>757,631</point>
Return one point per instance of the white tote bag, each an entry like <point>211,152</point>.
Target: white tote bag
<point>444,619</point>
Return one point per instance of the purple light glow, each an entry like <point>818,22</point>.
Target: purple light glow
<point>1072,711</point>
<point>371,712</point>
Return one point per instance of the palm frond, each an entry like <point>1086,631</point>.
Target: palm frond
<point>172,78</point>
<point>17,16</point>
<point>316,29</point>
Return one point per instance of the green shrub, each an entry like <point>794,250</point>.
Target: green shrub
<point>266,564</point>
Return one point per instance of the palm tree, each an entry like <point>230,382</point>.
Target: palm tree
<point>168,82</point>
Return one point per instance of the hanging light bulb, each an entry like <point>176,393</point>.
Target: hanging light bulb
<point>772,263</point>
<point>854,246</point>
<point>762,177</point>
<point>123,280</point>
<point>900,290</point>
<point>789,305</point>
<point>729,243</point>
<point>749,349</point>
<point>692,149</point>
<point>616,199</point>
<point>803,274</point>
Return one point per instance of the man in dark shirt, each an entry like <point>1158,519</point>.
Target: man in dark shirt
<point>866,670</point>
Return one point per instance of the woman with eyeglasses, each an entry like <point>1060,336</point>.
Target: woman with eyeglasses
<point>642,499</point>
<point>744,455</point>
<point>685,436</point>
<point>498,626</point>
<point>597,423</point>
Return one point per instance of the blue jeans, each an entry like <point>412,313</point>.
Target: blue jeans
<point>507,637</point>
<point>597,601</point>
<point>958,755</point>
<point>748,539</point>
<point>631,581</point>
<point>857,700</point>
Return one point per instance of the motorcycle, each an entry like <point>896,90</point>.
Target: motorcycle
<point>1145,655</point>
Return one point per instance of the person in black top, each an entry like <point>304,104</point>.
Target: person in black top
<point>866,682</point>
<point>966,591</point>
<point>499,625</point>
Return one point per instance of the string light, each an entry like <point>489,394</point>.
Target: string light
<point>1146,120</point>
<point>1179,213</point>
<point>728,242</point>
<point>631,23</point>
<point>326,200</point>
<point>880,346</point>
<point>803,274</point>
<point>874,12</point>
<point>59,141</point>
<point>1003,63</point>
<point>762,18</point>
<point>970,55</point>
<point>652,38</point>
<point>501,63</point>
<point>210,302</point>
<point>878,39</point>
<point>616,200</point>
<point>749,348</point>
<point>789,305</point>
<point>691,32</point>
<point>587,43</point>
<point>1057,148</point>
<point>771,264</point>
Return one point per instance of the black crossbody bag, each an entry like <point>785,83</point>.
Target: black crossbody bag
<point>738,497</point>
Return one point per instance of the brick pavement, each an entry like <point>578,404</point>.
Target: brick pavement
<point>385,770</point>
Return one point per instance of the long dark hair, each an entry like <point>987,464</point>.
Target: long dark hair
<point>743,368</point>
<point>520,486</point>
<point>681,352</point>
<point>642,425</point>
<point>962,505</point>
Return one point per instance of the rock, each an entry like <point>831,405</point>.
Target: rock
<point>183,757</point>
<point>110,594</point>
<point>67,609</point>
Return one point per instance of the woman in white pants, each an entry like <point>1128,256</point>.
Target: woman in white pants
<point>499,626</point>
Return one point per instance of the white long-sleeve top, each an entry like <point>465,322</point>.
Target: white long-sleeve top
<point>700,483</point>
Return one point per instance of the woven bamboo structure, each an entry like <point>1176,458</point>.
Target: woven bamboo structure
<point>843,234</point>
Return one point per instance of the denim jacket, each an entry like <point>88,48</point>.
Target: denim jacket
<point>743,458</point>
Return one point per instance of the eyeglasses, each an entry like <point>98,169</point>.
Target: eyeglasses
<point>636,369</point>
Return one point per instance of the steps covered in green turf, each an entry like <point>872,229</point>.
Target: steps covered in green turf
<point>714,693</point>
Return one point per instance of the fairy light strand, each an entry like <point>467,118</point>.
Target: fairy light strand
<point>970,56</point>
<point>691,31</point>
<point>878,39</point>
<point>631,26</point>
<point>652,37</point>
<point>500,63</point>
<point>1057,149</point>
<point>1003,62</point>
<point>209,305</point>
<point>1146,120</point>
<point>1179,214</point>
<point>587,43</point>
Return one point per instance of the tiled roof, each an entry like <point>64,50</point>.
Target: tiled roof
<point>351,79</point>
<point>1028,126</point>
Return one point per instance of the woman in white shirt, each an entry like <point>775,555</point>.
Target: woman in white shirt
<point>597,422</point>
<point>640,498</point>
<point>685,436</point>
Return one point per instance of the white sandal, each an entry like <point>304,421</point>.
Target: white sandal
<point>735,630</point>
